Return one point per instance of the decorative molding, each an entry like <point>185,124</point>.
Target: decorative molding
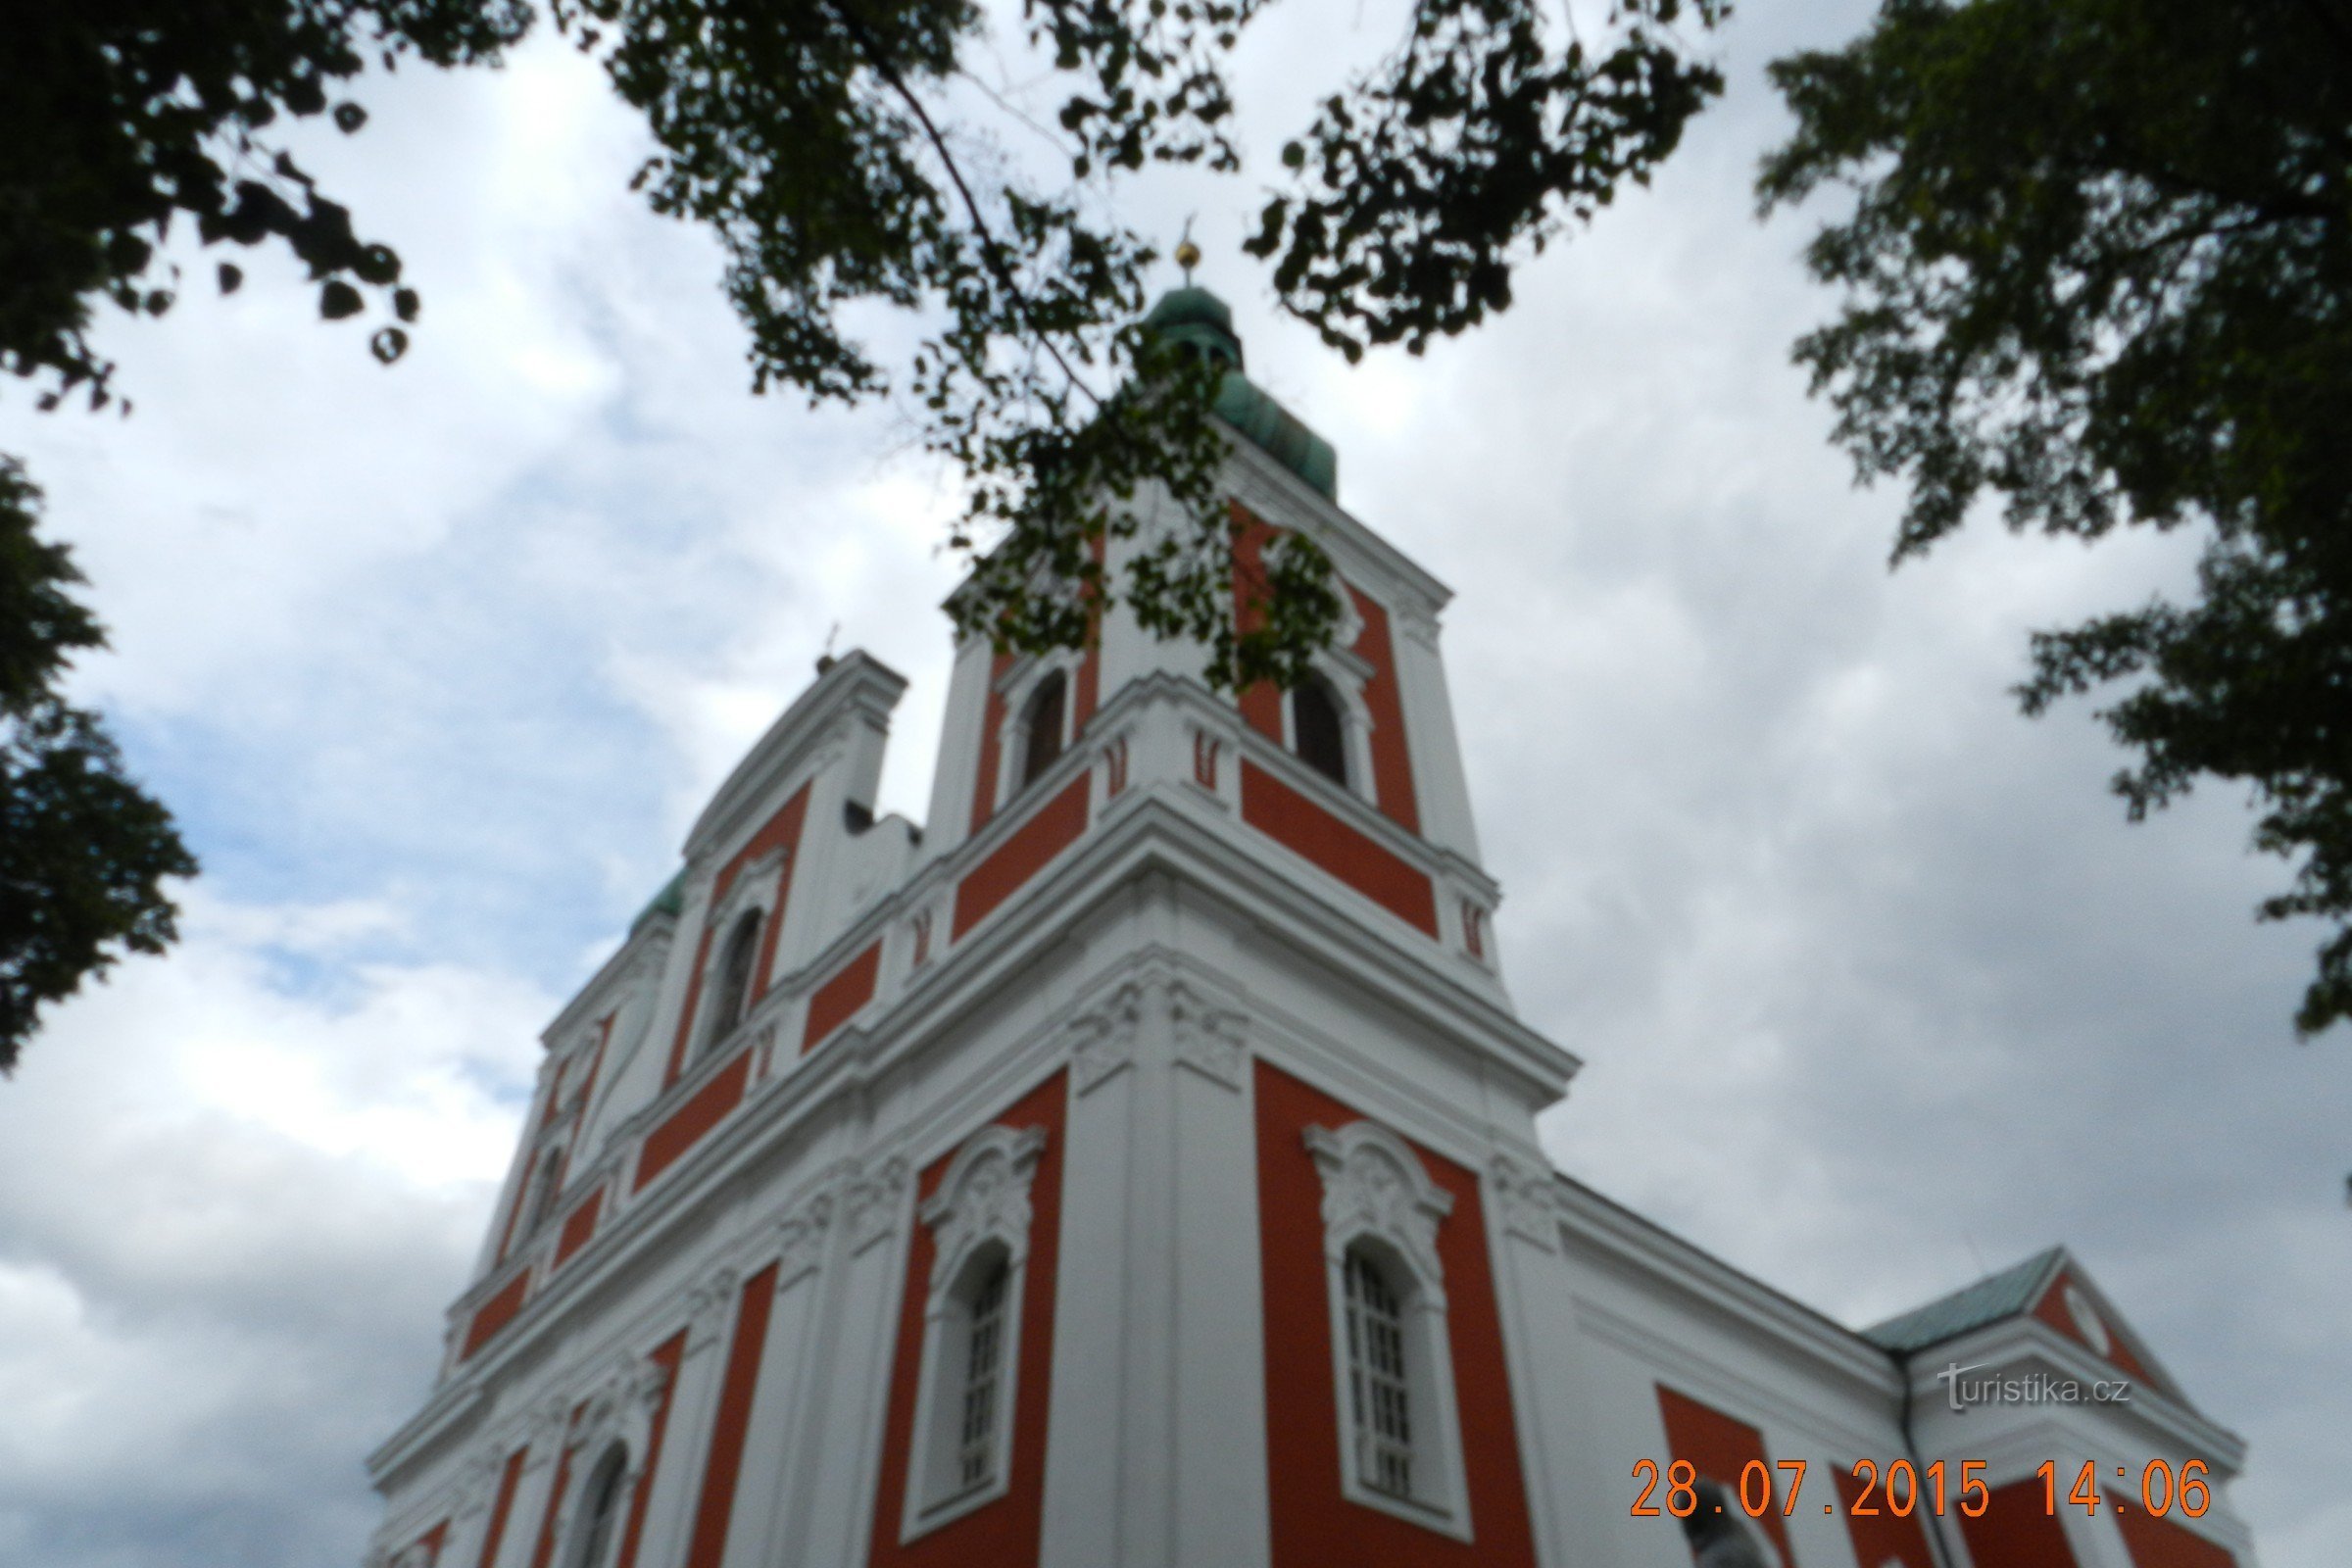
<point>1527,1200</point>
<point>620,1407</point>
<point>983,1195</point>
<point>870,1203</point>
<point>707,1303</point>
<point>1374,1185</point>
<point>1210,1040</point>
<point>801,1240</point>
<point>478,1479</point>
<point>1103,1039</point>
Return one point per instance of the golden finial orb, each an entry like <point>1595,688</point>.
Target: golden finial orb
<point>1187,256</point>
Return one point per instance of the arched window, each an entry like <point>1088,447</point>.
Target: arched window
<point>1378,1392</point>
<point>969,1376</point>
<point>1041,727</point>
<point>1391,1361</point>
<point>732,981</point>
<point>598,1528</point>
<point>983,1368</point>
<point>1318,732</point>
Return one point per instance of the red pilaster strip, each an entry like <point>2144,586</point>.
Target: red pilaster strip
<point>546,1549</point>
<point>720,1473</point>
<point>507,1482</point>
<point>1392,751</point>
<point>673,1351</point>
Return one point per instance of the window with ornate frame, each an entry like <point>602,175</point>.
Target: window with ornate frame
<point>729,986</point>
<point>596,1528</point>
<point>1399,1429</point>
<point>1327,724</point>
<point>970,1367</point>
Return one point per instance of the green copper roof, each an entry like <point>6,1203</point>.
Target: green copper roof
<point>1199,318</point>
<point>670,900</point>
<point>2012,1291</point>
<point>1195,317</point>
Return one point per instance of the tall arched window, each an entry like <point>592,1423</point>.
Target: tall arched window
<point>1391,1361</point>
<point>1378,1392</point>
<point>1318,732</point>
<point>599,1529</point>
<point>983,1369</point>
<point>1041,727</point>
<point>732,981</point>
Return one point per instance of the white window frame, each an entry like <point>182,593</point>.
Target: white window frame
<point>1346,683</point>
<point>1378,1201</point>
<point>576,1553</point>
<point>980,1213</point>
<point>1012,735</point>
<point>753,892</point>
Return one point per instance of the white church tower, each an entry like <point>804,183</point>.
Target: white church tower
<point>1135,1165</point>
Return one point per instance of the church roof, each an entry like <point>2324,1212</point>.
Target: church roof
<point>2008,1294</point>
<point>1197,318</point>
<point>670,900</point>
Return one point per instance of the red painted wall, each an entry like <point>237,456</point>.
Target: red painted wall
<point>2051,1309</point>
<point>1261,703</point>
<point>2015,1531</point>
<point>578,1226</point>
<point>1719,1449</point>
<point>1297,823</point>
<point>545,1547</point>
<point>780,831</point>
<point>666,1357</point>
<point>1881,1537</point>
<point>507,1481</point>
<point>1391,750</point>
<point>496,1313</point>
<point>1055,825</point>
<point>838,1000</point>
<point>685,1126</point>
<point>2161,1544</point>
<point>722,1471</point>
<point>1313,1525</point>
<point>1006,1533</point>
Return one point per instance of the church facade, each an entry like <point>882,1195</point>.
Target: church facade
<point>1135,1165</point>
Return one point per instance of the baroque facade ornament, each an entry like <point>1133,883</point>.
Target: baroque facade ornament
<point>1210,1040</point>
<point>1375,1186</point>
<point>1104,1038</point>
<point>1528,1202</point>
<point>870,1203</point>
<point>984,1196</point>
<point>801,1240</point>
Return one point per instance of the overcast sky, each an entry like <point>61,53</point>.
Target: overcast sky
<point>1876,987</point>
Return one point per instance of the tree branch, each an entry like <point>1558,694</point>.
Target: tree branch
<point>988,247</point>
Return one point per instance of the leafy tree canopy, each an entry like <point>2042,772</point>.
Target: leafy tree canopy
<point>2099,264</point>
<point>83,850</point>
<point>845,156</point>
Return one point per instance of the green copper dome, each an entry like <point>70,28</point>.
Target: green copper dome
<point>1197,318</point>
